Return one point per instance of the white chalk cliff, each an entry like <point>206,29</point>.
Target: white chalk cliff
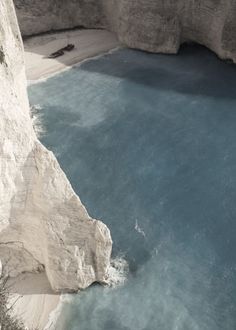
<point>43,224</point>
<point>151,25</point>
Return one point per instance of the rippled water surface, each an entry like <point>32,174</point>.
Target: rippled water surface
<point>149,144</point>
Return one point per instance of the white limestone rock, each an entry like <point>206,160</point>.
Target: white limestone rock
<point>151,25</point>
<point>43,224</point>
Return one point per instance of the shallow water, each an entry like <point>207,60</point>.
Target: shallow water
<point>149,144</point>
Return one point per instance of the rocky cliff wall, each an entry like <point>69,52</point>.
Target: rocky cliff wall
<point>151,25</point>
<point>40,16</point>
<point>43,225</point>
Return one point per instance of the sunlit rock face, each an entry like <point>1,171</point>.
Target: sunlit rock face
<point>43,224</point>
<point>151,25</point>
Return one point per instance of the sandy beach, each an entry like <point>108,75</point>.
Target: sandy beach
<point>88,43</point>
<point>34,302</point>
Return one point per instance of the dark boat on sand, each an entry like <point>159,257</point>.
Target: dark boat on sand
<point>69,47</point>
<point>61,51</point>
<point>56,54</point>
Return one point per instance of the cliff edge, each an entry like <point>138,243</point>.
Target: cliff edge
<point>43,224</point>
<point>151,25</point>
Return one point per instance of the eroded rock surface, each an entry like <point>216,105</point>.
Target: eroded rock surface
<point>43,224</point>
<point>151,25</point>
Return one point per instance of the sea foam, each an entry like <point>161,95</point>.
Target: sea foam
<point>36,118</point>
<point>118,272</point>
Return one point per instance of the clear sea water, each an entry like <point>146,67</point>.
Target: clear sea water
<point>149,144</point>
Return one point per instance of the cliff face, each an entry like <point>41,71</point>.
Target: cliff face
<point>152,25</point>
<point>43,225</point>
<point>162,26</point>
<point>45,15</point>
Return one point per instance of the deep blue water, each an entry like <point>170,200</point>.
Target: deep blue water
<point>149,141</point>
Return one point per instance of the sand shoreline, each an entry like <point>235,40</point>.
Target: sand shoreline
<point>77,64</point>
<point>37,306</point>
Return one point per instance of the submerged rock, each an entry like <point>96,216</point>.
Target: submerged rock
<point>43,224</point>
<point>151,25</point>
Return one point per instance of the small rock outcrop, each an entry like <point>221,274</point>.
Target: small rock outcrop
<point>151,25</point>
<point>43,224</point>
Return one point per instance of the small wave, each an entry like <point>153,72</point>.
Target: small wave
<point>139,229</point>
<point>118,272</point>
<point>36,118</point>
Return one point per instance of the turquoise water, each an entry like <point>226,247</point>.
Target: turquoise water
<point>149,144</point>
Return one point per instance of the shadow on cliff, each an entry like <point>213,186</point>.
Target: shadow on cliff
<point>31,284</point>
